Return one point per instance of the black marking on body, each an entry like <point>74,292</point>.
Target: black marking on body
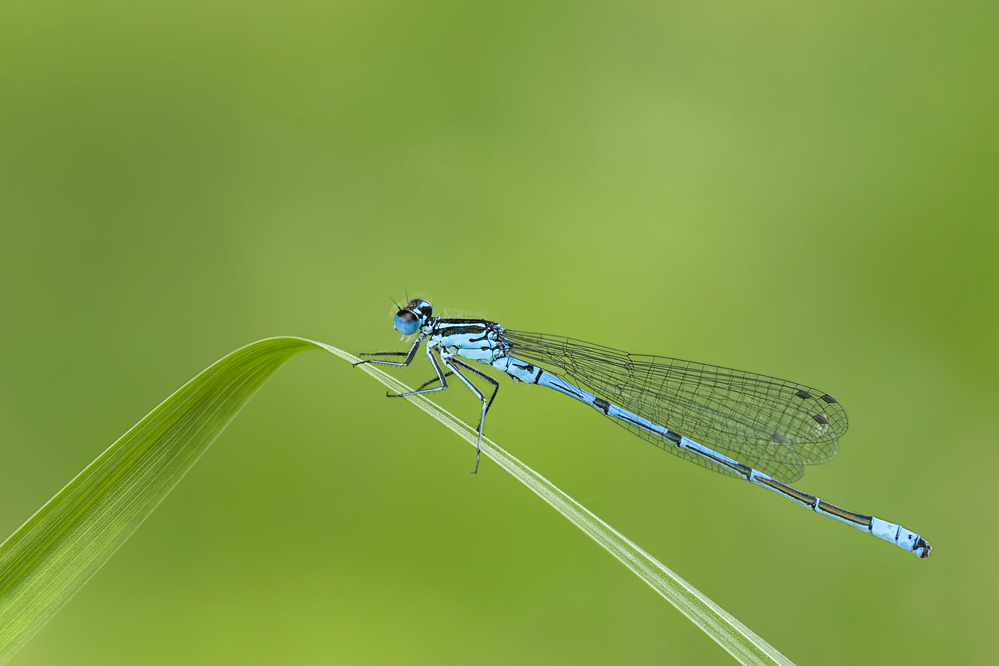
<point>526,367</point>
<point>602,405</point>
<point>480,322</point>
<point>793,493</point>
<point>673,437</point>
<point>464,330</point>
<point>459,330</point>
<point>840,512</point>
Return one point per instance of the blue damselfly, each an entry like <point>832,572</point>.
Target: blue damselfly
<point>759,428</point>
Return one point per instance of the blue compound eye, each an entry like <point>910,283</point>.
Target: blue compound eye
<point>406,322</point>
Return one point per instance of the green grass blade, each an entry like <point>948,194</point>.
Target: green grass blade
<point>51,556</point>
<point>57,550</point>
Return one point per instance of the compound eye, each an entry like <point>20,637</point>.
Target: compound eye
<point>406,322</point>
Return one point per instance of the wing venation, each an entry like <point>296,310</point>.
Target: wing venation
<point>771,424</point>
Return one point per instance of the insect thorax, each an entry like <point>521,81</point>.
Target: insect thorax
<point>472,339</point>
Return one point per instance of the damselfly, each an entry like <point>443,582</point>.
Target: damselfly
<point>762,429</point>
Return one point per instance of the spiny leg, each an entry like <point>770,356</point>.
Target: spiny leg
<point>485,403</point>
<point>489,379</point>
<point>440,376</point>
<point>410,355</point>
<point>395,353</point>
<point>435,379</point>
<point>473,370</point>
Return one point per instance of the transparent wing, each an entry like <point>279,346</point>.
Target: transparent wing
<point>773,425</point>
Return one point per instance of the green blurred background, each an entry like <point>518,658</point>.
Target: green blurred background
<point>804,190</point>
